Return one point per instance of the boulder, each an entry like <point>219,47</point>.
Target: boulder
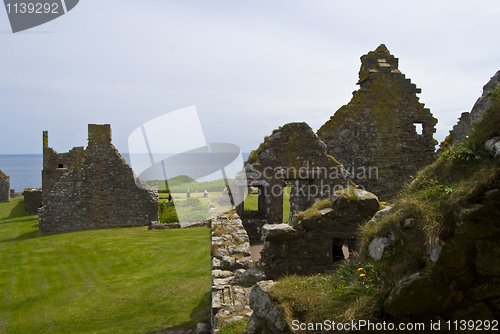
<point>488,257</point>
<point>249,277</point>
<point>420,294</point>
<point>492,146</point>
<point>279,232</point>
<point>265,308</point>
<point>377,246</point>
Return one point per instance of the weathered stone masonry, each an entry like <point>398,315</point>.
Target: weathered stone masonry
<point>4,188</point>
<point>293,155</point>
<point>378,129</point>
<point>96,190</point>
<point>32,200</point>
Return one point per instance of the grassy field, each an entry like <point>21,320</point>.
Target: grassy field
<point>251,203</point>
<point>123,280</point>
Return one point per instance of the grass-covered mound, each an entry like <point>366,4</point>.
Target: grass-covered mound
<point>121,280</point>
<point>422,216</point>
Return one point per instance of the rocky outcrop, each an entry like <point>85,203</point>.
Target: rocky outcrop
<point>316,243</point>
<point>483,103</point>
<point>233,272</point>
<point>376,136</point>
<point>462,276</point>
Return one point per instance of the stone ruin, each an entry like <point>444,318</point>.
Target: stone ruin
<point>93,188</point>
<point>384,135</point>
<point>295,157</point>
<point>32,201</point>
<point>4,188</point>
<point>483,103</point>
<point>316,244</point>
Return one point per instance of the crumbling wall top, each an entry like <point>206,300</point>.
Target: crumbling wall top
<point>99,134</point>
<point>4,176</point>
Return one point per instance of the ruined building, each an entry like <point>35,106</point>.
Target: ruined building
<point>483,103</point>
<point>32,200</point>
<point>384,135</point>
<point>293,157</point>
<point>92,188</point>
<point>4,188</point>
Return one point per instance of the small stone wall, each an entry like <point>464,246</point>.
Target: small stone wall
<point>14,193</point>
<point>4,188</point>
<point>233,272</point>
<point>32,201</point>
<point>98,190</point>
<point>316,244</point>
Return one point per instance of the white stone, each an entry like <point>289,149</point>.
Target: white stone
<point>377,247</point>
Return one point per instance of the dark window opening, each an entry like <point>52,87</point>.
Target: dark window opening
<point>337,253</point>
<point>61,166</point>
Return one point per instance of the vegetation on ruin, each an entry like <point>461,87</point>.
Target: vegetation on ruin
<point>313,211</point>
<point>254,156</point>
<point>120,280</point>
<point>357,289</point>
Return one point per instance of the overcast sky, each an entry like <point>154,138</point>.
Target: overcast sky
<point>249,66</point>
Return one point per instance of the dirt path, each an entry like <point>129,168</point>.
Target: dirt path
<point>255,248</point>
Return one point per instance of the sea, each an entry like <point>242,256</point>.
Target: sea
<point>25,170</point>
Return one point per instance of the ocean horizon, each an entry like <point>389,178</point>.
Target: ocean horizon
<point>25,170</point>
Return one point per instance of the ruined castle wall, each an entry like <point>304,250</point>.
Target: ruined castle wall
<point>293,156</point>
<point>317,244</point>
<point>97,191</point>
<point>4,188</point>
<point>32,200</point>
<point>55,164</point>
<point>376,135</point>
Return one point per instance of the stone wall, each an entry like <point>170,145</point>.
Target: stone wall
<point>376,135</point>
<point>293,157</point>
<point>317,243</point>
<point>233,272</point>
<point>4,188</point>
<point>97,190</point>
<point>32,201</point>
<point>55,164</point>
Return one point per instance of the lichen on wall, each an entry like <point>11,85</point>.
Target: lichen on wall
<point>96,190</point>
<point>375,136</point>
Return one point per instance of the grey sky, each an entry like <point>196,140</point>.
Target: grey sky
<point>248,66</point>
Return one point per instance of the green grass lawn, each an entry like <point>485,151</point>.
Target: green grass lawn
<point>122,280</point>
<point>251,203</point>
